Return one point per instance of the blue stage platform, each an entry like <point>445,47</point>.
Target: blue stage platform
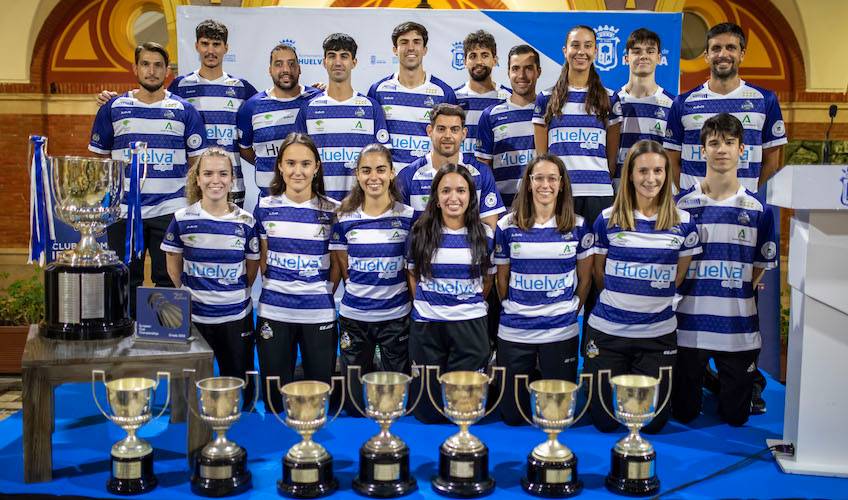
<point>83,437</point>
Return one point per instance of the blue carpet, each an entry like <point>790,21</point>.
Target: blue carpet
<point>82,440</point>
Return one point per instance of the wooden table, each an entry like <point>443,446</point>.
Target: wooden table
<point>48,363</point>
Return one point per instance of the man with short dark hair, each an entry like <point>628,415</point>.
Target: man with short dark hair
<point>481,56</point>
<point>408,96</point>
<point>174,132</point>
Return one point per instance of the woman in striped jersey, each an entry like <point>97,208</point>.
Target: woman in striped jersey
<point>450,273</point>
<point>296,307</point>
<point>643,246</point>
<point>543,251</point>
<point>369,244</point>
<point>212,250</point>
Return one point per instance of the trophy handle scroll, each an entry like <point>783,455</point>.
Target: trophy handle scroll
<point>102,375</point>
<point>341,380</point>
<point>608,373</point>
<point>336,378</point>
<point>190,375</point>
<point>437,369</point>
<point>525,379</point>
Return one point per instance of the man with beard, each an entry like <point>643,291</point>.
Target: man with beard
<point>269,116</point>
<point>756,107</point>
<point>214,93</point>
<point>479,92</point>
<point>174,132</point>
<point>505,131</point>
<point>408,96</point>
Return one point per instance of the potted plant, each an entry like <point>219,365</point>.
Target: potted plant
<point>21,304</point>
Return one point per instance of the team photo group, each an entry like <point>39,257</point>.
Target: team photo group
<point>546,231</point>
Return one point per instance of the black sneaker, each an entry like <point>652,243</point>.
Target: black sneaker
<point>758,404</point>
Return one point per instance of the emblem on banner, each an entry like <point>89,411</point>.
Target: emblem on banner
<point>457,56</point>
<point>288,41</point>
<point>607,41</point>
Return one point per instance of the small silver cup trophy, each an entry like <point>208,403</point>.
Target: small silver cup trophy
<point>552,466</point>
<point>384,459</point>
<point>130,400</point>
<point>634,398</point>
<point>220,468</point>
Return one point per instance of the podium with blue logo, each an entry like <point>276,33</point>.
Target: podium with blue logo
<point>817,363</point>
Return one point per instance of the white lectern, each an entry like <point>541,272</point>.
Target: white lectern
<point>816,414</point>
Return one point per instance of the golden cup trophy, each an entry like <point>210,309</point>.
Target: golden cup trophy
<point>384,459</point>
<point>130,400</point>
<point>552,466</point>
<point>633,469</point>
<point>463,458</point>
<point>307,466</point>
<point>220,468</point>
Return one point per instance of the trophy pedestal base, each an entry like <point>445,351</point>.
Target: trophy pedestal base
<point>307,480</point>
<point>633,475</point>
<point>463,475</point>
<point>384,475</point>
<point>551,479</point>
<point>86,303</point>
<point>132,476</point>
<point>219,477</point>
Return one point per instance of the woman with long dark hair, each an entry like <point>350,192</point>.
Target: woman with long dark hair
<point>543,252</point>
<point>450,273</point>
<point>296,307</point>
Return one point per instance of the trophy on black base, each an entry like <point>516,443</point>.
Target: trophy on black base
<point>552,466</point>
<point>86,289</point>
<point>463,458</point>
<point>384,459</point>
<point>307,466</point>
<point>220,468</point>
<point>130,400</point>
<point>633,469</point>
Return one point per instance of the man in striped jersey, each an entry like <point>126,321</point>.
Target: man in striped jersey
<point>269,116</point>
<point>214,93</point>
<point>341,121</point>
<point>173,131</point>
<point>644,104</point>
<point>480,91</point>
<point>408,96</point>
<point>756,107</point>
<point>505,131</point>
<point>717,317</point>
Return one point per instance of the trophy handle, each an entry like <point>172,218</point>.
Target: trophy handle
<point>350,369</point>
<point>340,379</point>
<point>256,390</point>
<point>416,369</point>
<point>668,393</point>
<point>190,386</point>
<point>495,370</point>
<point>601,392</point>
<point>588,377</point>
<point>94,374</point>
<point>270,400</point>
<point>525,379</point>
<point>167,377</point>
<point>427,370</point>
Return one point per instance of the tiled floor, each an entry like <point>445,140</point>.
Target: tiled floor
<point>10,396</point>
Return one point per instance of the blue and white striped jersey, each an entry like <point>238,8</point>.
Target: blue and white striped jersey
<point>451,293</point>
<point>474,103</point>
<point>407,113</point>
<point>173,131</point>
<point>263,122</point>
<point>505,136</point>
<point>641,118</point>
<point>541,303</point>
<point>376,288</point>
<point>218,102</point>
<point>639,275</point>
<point>757,109</point>
<point>296,286</point>
<point>415,183</point>
<point>580,140</point>
<point>214,250</point>
<point>340,131</point>
<point>718,310</point>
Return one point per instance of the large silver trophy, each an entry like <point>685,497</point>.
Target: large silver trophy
<point>86,288</point>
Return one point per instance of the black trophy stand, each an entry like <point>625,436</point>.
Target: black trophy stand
<point>384,475</point>
<point>307,480</point>
<point>633,475</point>
<point>463,474</point>
<point>552,479</point>
<point>131,476</point>
<point>220,477</point>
